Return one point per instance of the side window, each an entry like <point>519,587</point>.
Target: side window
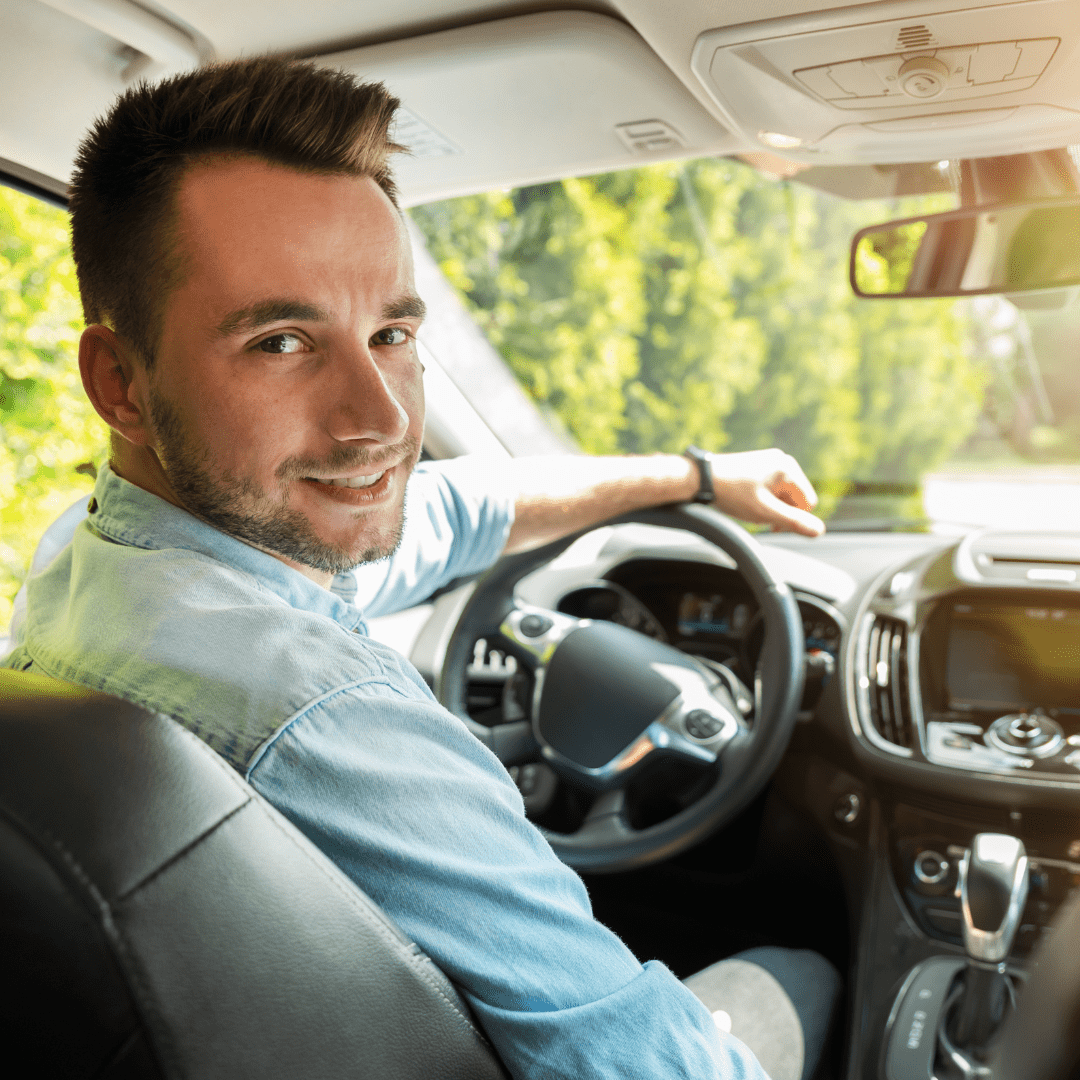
<point>51,440</point>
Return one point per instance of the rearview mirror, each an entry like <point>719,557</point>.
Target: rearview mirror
<point>1007,248</point>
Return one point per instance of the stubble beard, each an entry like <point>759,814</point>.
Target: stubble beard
<point>240,507</point>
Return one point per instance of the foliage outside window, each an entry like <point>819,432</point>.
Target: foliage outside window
<point>705,303</point>
<point>50,437</point>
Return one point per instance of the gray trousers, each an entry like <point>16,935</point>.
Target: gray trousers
<point>779,1002</point>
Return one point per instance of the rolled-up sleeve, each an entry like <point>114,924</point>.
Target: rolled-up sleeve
<point>428,823</point>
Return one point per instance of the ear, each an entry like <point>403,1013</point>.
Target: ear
<point>113,381</point>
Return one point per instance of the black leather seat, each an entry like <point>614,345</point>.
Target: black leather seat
<point>159,919</point>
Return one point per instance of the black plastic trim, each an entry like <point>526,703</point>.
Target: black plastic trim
<point>31,182</point>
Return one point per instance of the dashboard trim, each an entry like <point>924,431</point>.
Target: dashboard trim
<point>857,680</point>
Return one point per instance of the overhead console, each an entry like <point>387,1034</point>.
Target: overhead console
<point>972,661</point>
<point>902,81</point>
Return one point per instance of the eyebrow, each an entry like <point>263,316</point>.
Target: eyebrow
<point>247,319</point>
<point>405,307</point>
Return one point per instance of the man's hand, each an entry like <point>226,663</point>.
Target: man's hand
<point>766,487</point>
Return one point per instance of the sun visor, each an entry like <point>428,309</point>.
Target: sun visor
<point>532,98</point>
<point>900,82</point>
<point>62,63</point>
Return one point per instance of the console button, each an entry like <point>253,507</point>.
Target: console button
<point>702,724</point>
<point>931,868</point>
<point>534,625</point>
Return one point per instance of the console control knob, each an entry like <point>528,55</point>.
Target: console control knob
<point>1026,734</point>
<point>931,868</point>
<point>848,808</point>
<point>923,77</point>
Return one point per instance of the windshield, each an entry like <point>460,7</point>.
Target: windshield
<point>708,303</point>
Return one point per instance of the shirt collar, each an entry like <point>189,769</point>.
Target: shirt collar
<point>129,515</point>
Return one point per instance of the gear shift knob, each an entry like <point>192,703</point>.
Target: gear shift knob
<point>993,888</point>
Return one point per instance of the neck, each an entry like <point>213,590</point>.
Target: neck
<point>140,465</point>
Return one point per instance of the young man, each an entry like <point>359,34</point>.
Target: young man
<point>247,285</point>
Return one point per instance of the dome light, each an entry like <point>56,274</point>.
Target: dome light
<point>779,141</point>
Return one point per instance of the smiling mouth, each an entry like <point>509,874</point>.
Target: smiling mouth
<point>351,481</point>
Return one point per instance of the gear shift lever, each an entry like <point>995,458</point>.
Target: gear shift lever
<point>993,887</point>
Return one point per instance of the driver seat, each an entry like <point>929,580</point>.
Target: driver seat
<point>160,919</point>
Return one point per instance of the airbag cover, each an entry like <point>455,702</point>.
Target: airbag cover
<point>602,689</point>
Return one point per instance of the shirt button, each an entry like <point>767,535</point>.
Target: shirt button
<point>92,508</point>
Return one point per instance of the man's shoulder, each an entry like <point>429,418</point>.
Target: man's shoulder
<point>181,633</point>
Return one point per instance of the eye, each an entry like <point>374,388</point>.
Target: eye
<point>392,335</point>
<point>281,343</point>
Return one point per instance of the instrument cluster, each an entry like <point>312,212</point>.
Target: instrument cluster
<point>702,609</point>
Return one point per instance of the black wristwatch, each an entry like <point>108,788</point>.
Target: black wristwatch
<point>706,493</point>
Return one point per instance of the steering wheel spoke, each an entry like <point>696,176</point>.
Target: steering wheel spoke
<point>607,822</point>
<point>537,632</point>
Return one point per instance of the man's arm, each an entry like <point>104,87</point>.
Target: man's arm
<point>560,494</point>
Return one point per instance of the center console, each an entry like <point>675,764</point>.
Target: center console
<point>963,692</point>
<point>1000,683</point>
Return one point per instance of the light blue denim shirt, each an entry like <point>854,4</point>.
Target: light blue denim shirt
<point>342,735</point>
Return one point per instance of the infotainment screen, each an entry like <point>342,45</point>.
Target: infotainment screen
<point>1007,658</point>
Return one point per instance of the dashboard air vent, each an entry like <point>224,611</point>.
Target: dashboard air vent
<point>914,37</point>
<point>888,697</point>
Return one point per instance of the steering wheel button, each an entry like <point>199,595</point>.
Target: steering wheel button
<point>534,625</point>
<point>701,724</point>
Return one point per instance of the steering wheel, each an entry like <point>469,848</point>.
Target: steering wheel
<point>609,701</point>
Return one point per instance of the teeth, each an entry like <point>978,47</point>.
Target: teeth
<point>354,481</point>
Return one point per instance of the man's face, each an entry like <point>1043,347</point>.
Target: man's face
<point>286,394</point>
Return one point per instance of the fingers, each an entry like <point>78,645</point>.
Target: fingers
<point>790,484</point>
<point>767,487</point>
<point>783,517</point>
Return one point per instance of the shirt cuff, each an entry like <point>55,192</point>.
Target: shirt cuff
<point>483,479</point>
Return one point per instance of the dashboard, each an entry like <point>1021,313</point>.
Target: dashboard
<point>942,700</point>
<point>938,664</point>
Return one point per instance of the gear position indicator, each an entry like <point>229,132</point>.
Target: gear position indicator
<point>916,1017</point>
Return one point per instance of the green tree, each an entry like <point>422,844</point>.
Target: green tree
<point>50,436</point>
<point>702,302</point>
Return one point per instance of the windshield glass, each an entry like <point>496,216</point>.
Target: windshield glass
<point>708,303</point>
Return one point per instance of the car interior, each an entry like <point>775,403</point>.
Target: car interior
<point>875,748</point>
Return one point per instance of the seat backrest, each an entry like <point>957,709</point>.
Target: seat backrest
<point>159,919</point>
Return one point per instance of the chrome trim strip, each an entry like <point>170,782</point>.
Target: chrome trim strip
<point>914,642</point>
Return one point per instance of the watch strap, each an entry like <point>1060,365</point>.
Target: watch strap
<point>706,493</point>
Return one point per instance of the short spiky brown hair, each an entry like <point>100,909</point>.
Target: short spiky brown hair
<point>129,167</point>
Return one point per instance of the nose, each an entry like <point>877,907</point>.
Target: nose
<point>367,403</point>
